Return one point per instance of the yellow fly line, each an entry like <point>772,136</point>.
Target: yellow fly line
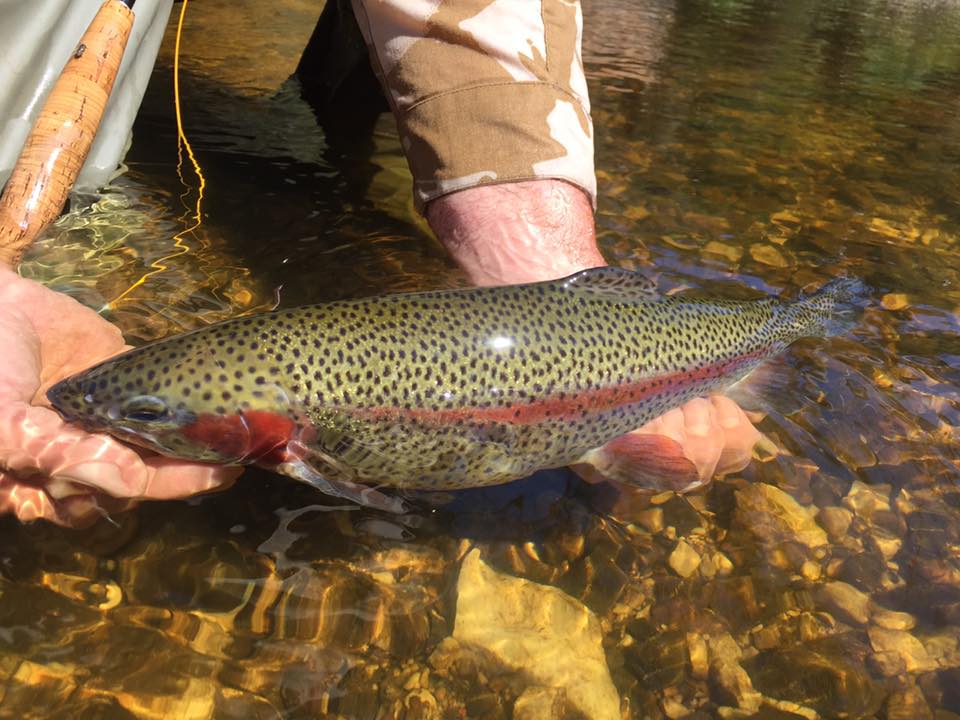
<point>179,240</point>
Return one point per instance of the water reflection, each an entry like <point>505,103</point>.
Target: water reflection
<point>742,146</point>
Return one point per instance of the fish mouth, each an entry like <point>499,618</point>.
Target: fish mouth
<point>136,437</point>
<point>87,423</point>
<point>55,391</point>
<point>58,396</point>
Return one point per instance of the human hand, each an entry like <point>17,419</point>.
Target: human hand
<point>52,470</point>
<point>681,450</point>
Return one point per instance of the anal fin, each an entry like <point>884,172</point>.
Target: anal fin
<point>766,386</point>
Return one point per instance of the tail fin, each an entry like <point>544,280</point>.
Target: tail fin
<point>834,309</point>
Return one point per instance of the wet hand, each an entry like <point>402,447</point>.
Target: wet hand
<point>714,435</point>
<point>681,450</point>
<point>49,469</point>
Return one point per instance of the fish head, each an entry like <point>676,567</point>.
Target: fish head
<point>172,398</point>
<point>115,398</point>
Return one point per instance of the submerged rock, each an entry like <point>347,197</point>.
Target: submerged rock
<point>865,500</point>
<point>657,657</point>
<point>901,646</point>
<point>867,571</point>
<point>835,520</point>
<point>908,703</point>
<point>845,602</point>
<point>537,630</point>
<point>730,683</point>
<point>774,516</point>
<point>892,619</point>
<point>827,675</point>
<point>684,560</point>
<point>540,703</point>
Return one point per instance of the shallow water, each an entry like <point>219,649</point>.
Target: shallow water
<point>742,147</point>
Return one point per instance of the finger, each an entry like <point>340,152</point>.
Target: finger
<point>85,508</point>
<point>739,433</point>
<point>95,460</point>
<point>113,478</point>
<point>169,478</point>
<point>77,507</point>
<point>699,419</point>
<point>78,511</point>
<point>35,441</point>
<point>694,428</point>
<point>46,446</point>
<point>704,438</point>
<point>738,429</point>
<point>670,424</point>
<point>729,414</point>
<point>27,503</point>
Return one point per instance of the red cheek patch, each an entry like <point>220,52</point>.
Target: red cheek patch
<point>255,436</point>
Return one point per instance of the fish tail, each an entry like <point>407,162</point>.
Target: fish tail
<point>833,309</point>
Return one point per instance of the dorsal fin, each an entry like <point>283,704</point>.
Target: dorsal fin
<point>612,284</point>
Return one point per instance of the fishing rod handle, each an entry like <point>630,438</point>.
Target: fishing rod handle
<point>63,133</point>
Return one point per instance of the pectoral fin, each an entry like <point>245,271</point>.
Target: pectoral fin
<point>650,462</point>
<point>326,475</point>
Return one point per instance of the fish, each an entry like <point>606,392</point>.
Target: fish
<point>440,390</point>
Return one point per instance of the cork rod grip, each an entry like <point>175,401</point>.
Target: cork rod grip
<point>62,135</point>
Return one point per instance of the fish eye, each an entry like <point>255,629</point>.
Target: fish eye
<point>145,408</point>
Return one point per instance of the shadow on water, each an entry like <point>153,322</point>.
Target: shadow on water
<point>298,193</point>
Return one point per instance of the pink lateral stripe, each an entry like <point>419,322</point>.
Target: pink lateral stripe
<point>555,407</point>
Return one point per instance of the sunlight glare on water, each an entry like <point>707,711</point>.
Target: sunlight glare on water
<point>743,148</point>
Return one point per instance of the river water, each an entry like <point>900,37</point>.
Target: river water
<point>743,148</point>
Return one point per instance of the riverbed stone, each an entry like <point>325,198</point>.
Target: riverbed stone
<point>867,571</point>
<point>657,657</point>
<point>776,517</point>
<point>943,647</point>
<point>538,630</point>
<point>699,656</point>
<point>888,664</point>
<point>908,703</point>
<point>892,619</point>
<point>684,560</point>
<point>903,645</point>
<point>886,542</point>
<point>723,564</point>
<point>864,500</point>
<point>835,520</point>
<point>827,675</point>
<point>673,708</point>
<point>540,703</point>
<point>810,571</point>
<point>730,683</point>
<point>845,602</point>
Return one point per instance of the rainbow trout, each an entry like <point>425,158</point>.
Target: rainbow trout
<point>437,390</point>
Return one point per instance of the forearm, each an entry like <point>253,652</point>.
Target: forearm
<point>496,129</point>
<point>517,232</point>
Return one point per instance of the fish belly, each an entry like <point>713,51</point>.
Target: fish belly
<point>419,455</point>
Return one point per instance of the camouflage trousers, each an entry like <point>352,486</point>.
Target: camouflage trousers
<point>483,91</point>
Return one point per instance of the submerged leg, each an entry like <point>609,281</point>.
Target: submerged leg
<point>355,492</point>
